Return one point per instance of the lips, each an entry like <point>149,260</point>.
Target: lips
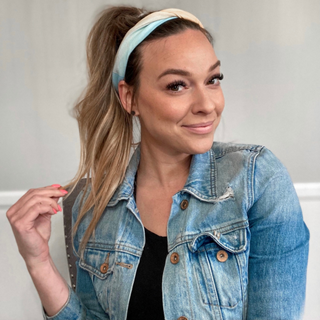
<point>199,125</point>
<point>200,128</point>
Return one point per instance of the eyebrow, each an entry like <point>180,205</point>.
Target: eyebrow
<point>186,73</point>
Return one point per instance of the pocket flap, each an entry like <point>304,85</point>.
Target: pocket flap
<point>234,241</point>
<point>98,262</point>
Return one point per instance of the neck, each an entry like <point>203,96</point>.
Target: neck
<point>159,169</point>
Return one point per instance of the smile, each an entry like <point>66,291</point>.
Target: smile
<point>200,128</point>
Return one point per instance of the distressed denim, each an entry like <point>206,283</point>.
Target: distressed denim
<point>241,203</point>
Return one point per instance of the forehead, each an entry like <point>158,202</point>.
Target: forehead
<point>188,50</point>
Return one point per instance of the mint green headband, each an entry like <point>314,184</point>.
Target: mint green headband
<point>138,33</point>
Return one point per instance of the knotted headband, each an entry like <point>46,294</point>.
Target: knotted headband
<point>138,33</point>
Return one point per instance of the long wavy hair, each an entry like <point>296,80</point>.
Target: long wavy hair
<point>106,129</point>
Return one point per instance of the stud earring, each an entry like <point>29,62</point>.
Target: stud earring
<point>133,113</point>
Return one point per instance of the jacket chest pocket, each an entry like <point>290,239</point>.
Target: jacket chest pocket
<point>220,267</point>
<point>100,266</point>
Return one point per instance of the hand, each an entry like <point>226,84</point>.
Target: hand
<point>30,219</point>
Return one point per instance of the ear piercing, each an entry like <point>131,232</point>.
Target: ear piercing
<point>133,113</point>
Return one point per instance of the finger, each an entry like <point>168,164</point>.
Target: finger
<point>31,203</point>
<point>55,186</point>
<point>41,192</point>
<point>26,222</point>
<point>38,209</point>
<point>58,202</point>
<point>45,191</point>
<point>52,187</point>
<point>44,200</point>
<point>31,197</point>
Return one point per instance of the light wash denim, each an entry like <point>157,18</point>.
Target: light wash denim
<point>241,202</point>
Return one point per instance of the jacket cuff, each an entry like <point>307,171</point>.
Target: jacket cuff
<point>70,310</point>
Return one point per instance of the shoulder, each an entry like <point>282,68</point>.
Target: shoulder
<point>260,157</point>
<point>255,165</point>
<point>221,149</point>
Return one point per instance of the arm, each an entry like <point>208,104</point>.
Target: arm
<point>279,245</point>
<point>30,219</point>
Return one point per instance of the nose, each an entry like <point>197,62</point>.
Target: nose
<point>204,100</point>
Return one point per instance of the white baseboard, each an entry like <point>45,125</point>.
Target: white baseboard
<point>8,198</point>
<point>304,190</point>
<point>308,190</point>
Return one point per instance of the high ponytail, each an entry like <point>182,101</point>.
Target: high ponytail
<point>106,129</point>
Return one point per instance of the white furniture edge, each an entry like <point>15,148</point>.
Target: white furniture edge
<point>304,190</point>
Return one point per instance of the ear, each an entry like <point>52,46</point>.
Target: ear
<point>125,94</point>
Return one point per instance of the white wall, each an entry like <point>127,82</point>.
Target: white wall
<point>269,53</point>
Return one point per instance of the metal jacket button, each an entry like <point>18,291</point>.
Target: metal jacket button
<point>104,268</point>
<point>222,256</point>
<point>184,204</point>
<point>174,258</point>
<point>182,318</point>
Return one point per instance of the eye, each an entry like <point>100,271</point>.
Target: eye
<point>176,86</point>
<point>215,80</point>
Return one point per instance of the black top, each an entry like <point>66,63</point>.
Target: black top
<point>146,296</point>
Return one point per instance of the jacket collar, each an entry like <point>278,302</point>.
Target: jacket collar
<point>200,182</point>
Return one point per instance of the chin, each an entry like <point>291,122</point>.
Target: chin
<point>201,146</point>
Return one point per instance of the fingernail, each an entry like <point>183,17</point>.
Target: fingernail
<point>59,208</point>
<point>54,210</point>
<point>56,185</point>
<point>64,191</point>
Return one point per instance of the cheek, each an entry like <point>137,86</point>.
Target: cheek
<point>155,107</point>
<point>220,104</point>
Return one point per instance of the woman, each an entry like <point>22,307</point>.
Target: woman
<point>190,229</point>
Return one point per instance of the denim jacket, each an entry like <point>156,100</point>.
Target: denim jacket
<point>237,244</point>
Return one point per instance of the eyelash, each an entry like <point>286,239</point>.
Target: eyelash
<point>177,83</point>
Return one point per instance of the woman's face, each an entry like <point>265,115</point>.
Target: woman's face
<point>179,101</point>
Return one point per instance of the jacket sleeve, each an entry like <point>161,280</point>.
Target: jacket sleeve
<point>74,309</point>
<point>279,244</point>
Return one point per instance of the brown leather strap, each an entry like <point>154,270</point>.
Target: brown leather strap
<point>67,218</point>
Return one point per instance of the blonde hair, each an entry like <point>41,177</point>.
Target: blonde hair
<point>105,128</point>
